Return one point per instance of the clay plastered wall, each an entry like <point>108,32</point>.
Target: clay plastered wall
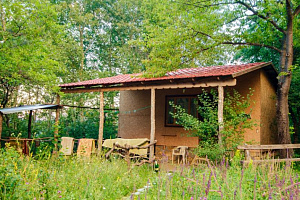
<point>134,124</point>
<point>252,80</point>
<point>137,124</point>
<point>268,111</point>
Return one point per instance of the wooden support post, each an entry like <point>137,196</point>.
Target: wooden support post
<point>29,124</point>
<point>1,123</point>
<point>220,112</point>
<point>101,122</point>
<point>56,125</point>
<point>152,133</point>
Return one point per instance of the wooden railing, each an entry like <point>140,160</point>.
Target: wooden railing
<point>267,149</point>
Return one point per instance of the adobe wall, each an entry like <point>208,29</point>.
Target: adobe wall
<point>268,111</point>
<point>137,124</point>
<point>244,83</point>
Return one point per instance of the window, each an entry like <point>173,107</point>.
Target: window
<point>186,102</point>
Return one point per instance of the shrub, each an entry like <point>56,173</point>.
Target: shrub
<point>206,126</point>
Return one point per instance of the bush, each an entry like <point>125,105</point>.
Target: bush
<point>235,121</point>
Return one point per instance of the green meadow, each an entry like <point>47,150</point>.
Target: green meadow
<point>50,177</point>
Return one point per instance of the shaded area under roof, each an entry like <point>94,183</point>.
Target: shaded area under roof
<point>26,108</point>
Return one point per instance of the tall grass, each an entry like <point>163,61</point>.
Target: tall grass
<point>67,178</point>
<point>96,178</point>
<point>228,181</point>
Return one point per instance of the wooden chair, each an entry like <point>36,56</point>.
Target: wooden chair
<point>180,151</point>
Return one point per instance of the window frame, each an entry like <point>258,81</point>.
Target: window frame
<point>190,97</point>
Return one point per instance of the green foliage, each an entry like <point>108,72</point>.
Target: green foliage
<point>67,178</point>
<point>236,121</point>
<point>176,34</point>
<point>213,151</point>
<point>88,127</point>
<point>31,46</point>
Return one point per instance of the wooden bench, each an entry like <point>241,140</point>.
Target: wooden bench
<point>268,148</point>
<point>125,153</point>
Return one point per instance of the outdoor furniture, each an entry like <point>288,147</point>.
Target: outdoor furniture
<point>67,145</point>
<point>86,147</point>
<point>180,151</point>
<point>140,142</point>
<point>198,160</point>
<point>129,149</point>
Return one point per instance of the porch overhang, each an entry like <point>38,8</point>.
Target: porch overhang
<point>205,83</point>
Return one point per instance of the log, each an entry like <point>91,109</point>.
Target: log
<point>152,133</point>
<point>56,125</point>
<point>101,122</point>
<point>269,147</point>
<point>29,124</point>
<point>272,160</point>
<point>220,113</point>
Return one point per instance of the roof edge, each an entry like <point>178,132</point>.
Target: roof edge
<point>237,74</point>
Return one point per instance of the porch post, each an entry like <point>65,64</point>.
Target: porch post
<point>56,124</point>
<point>29,124</point>
<point>1,122</point>
<point>101,123</point>
<point>152,133</point>
<point>220,112</point>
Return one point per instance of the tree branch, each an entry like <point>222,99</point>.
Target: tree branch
<point>297,11</point>
<point>289,9</point>
<point>252,44</point>
<point>201,33</point>
<point>199,5</point>
<point>267,18</point>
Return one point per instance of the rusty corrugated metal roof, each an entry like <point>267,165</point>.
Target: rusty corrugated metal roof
<point>178,74</point>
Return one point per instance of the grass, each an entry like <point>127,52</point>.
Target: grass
<point>67,178</point>
<point>96,178</point>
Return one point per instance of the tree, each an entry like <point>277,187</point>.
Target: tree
<point>31,46</point>
<point>182,33</point>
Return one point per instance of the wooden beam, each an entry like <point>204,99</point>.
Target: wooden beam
<point>231,82</point>
<point>101,122</point>
<point>272,160</point>
<point>1,125</point>
<point>56,125</point>
<point>152,132</point>
<point>29,124</point>
<point>220,113</point>
<point>269,147</point>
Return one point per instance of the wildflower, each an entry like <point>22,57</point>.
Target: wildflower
<point>58,192</point>
<point>27,183</point>
<point>60,196</point>
<point>192,198</point>
<point>104,188</point>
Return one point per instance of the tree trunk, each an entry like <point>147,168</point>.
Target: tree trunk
<point>284,83</point>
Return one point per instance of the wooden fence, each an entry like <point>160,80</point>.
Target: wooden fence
<point>267,151</point>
